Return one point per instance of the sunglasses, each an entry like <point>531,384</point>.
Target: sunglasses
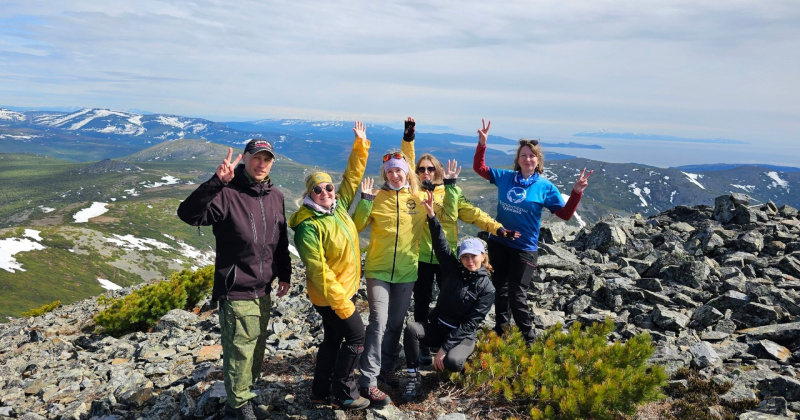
<point>430,169</point>
<point>318,190</point>
<point>395,155</point>
<point>526,142</point>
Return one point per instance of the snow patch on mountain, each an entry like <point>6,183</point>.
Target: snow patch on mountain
<point>108,285</point>
<point>9,115</point>
<point>168,180</point>
<point>96,209</point>
<point>139,244</point>
<point>748,188</point>
<point>638,192</point>
<point>12,246</point>
<point>693,179</point>
<point>777,181</point>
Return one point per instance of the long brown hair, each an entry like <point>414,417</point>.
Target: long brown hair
<point>536,149</point>
<point>438,175</point>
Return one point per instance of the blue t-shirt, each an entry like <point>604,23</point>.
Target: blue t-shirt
<point>520,208</point>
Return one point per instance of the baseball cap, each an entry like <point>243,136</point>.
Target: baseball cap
<point>472,246</point>
<point>259,145</point>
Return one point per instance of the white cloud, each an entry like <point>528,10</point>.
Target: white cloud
<point>693,69</point>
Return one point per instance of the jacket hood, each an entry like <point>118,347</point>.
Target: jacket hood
<point>300,215</point>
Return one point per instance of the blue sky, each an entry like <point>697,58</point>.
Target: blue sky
<point>711,69</point>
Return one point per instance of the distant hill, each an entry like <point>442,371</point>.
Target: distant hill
<point>728,166</point>
<point>140,238</point>
<point>660,137</point>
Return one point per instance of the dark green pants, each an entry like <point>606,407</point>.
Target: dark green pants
<point>243,327</point>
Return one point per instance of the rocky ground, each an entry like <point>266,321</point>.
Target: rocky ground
<point>718,288</point>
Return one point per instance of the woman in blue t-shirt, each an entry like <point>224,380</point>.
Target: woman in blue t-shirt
<point>521,196</point>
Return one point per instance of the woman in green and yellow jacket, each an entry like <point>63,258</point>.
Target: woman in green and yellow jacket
<point>327,241</point>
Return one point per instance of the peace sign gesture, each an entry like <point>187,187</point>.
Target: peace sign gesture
<point>225,169</point>
<point>483,134</point>
<point>582,181</point>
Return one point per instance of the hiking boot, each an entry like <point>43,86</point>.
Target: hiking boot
<point>413,387</point>
<point>376,397</point>
<point>389,378</point>
<point>245,412</point>
<point>425,357</point>
<point>357,404</point>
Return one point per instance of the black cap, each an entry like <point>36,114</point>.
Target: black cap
<point>259,145</point>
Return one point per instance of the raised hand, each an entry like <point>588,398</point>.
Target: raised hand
<point>360,129</point>
<point>452,170</point>
<point>366,186</point>
<point>582,181</point>
<point>483,134</point>
<point>408,132</point>
<point>428,204</point>
<point>225,169</point>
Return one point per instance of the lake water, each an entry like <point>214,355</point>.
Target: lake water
<point>666,154</point>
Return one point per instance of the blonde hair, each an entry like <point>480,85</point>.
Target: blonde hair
<point>413,181</point>
<point>536,149</point>
<point>438,174</point>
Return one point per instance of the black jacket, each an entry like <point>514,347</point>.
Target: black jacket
<point>249,222</point>
<point>465,296</point>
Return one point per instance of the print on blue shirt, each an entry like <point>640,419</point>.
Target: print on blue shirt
<point>520,208</point>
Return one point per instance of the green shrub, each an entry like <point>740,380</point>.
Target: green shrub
<point>42,309</point>
<point>140,310</point>
<point>569,375</point>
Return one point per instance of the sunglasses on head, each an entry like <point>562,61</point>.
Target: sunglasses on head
<point>318,190</point>
<point>395,155</point>
<point>426,169</point>
<point>526,142</point>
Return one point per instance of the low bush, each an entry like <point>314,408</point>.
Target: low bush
<point>141,309</point>
<point>566,375</point>
<point>42,309</point>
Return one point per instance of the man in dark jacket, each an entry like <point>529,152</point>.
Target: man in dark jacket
<point>248,218</point>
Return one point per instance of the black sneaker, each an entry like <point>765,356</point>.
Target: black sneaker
<point>389,378</point>
<point>413,387</point>
<point>245,412</point>
<point>356,404</point>
<point>425,357</point>
<point>376,397</point>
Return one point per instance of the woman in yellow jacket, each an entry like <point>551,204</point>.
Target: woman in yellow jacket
<point>396,219</point>
<point>327,241</point>
<point>431,175</point>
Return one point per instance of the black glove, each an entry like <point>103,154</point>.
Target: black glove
<point>507,233</point>
<point>408,133</point>
<point>427,185</point>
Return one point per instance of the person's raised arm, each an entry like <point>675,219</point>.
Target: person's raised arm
<point>199,209</point>
<point>407,146</point>
<point>479,161</point>
<point>356,164</point>
<point>566,212</point>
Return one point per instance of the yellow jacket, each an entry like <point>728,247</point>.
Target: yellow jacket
<point>328,243</point>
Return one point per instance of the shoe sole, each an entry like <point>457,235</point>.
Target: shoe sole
<point>350,408</point>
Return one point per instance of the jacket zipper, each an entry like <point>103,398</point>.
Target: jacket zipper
<point>352,248</point>
<point>396,232</point>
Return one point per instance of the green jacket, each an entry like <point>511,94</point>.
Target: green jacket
<point>328,243</point>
